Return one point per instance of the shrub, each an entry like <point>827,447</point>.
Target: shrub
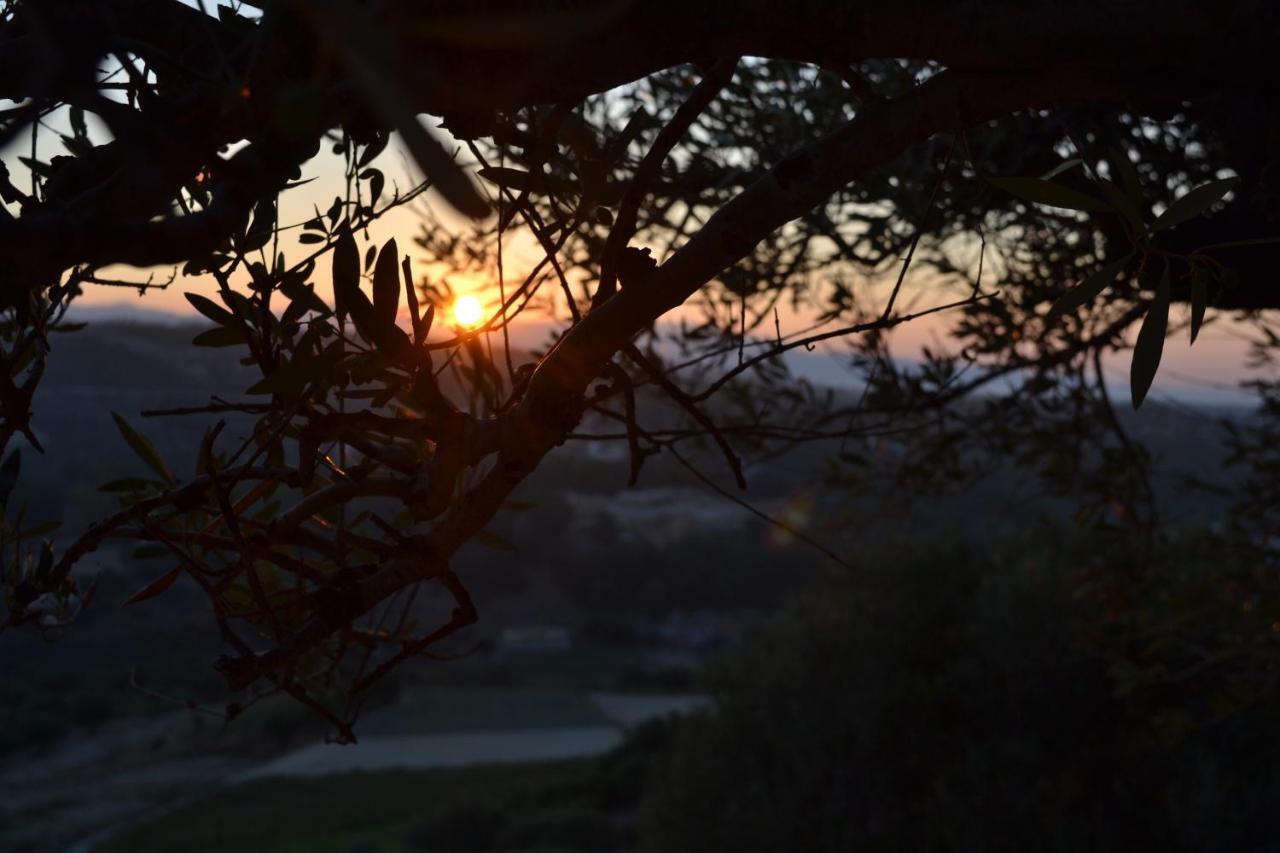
<point>463,828</point>
<point>949,703</point>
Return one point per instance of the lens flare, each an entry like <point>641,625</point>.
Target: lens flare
<point>467,311</point>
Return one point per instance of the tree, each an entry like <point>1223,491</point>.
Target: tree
<point>976,708</point>
<point>756,180</point>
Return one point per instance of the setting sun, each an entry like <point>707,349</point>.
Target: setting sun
<point>467,311</point>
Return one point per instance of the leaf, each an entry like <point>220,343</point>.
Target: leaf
<point>9,477</point>
<point>308,237</point>
<point>142,446</point>
<point>1064,166</point>
<point>411,299</point>
<point>493,540</point>
<point>1049,193</point>
<point>205,452</point>
<point>1194,203</point>
<point>1150,344</point>
<point>223,336</point>
<point>424,327</point>
<point>1121,201</point>
<point>518,180</point>
<point>127,484</point>
<point>238,302</point>
<point>511,179</point>
<point>263,226</point>
<point>45,566</point>
<point>617,148</point>
<point>367,55</point>
<point>23,361</point>
<point>446,176</point>
<point>376,182</point>
<point>373,149</point>
<point>156,587</point>
<point>386,285</point>
<point>294,375</point>
<point>1087,290</point>
<point>1199,300</point>
<point>346,272</point>
<point>349,298</point>
<point>210,309</point>
<point>304,295</point>
<point>38,530</point>
<point>78,125</point>
<point>1124,169</point>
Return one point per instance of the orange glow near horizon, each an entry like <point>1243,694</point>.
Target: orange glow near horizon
<point>467,311</point>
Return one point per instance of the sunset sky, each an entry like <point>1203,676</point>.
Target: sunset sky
<point>1207,373</point>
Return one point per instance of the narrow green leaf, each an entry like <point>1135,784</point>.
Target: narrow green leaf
<point>24,359</point>
<point>1194,203</point>
<point>292,376</point>
<point>128,484</point>
<point>346,273</point>
<point>1240,244</point>
<point>428,317</point>
<point>376,182</point>
<point>45,567</point>
<point>1049,193</point>
<point>1150,344</point>
<point>1121,201</point>
<point>156,587</point>
<point>205,450</point>
<point>1127,174</point>
<point>9,477</point>
<point>210,309</point>
<point>262,227</point>
<point>238,302</point>
<point>38,530</point>
<point>386,285</point>
<point>142,446</point>
<point>639,120</point>
<point>304,294</point>
<point>411,298</point>
<point>493,540</point>
<point>1199,300</point>
<point>511,179</point>
<point>223,336</point>
<point>373,149</point>
<point>1087,290</point>
<point>366,52</point>
<point>78,125</point>
<point>1064,166</point>
<point>349,298</point>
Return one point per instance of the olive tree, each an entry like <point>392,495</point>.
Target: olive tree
<point>1021,158</point>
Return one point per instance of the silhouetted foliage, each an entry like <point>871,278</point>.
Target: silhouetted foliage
<point>1057,177</point>
<point>957,700</point>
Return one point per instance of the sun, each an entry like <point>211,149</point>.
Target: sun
<point>467,311</point>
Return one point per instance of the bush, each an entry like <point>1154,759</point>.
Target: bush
<point>567,829</point>
<point>464,828</point>
<point>92,710</point>
<point>948,703</point>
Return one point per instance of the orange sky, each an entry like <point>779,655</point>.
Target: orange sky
<point>1216,360</point>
